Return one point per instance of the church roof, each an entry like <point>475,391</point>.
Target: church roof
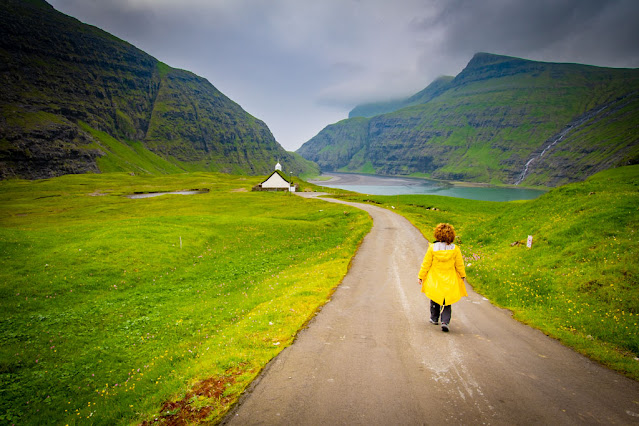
<point>280,173</point>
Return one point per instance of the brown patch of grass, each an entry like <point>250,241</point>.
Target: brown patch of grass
<point>188,411</point>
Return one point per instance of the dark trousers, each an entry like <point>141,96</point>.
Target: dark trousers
<point>435,309</point>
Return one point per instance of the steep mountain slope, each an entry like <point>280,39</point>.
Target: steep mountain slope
<point>501,120</point>
<point>75,99</point>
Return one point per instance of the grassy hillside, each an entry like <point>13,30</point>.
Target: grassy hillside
<point>498,115</point>
<point>342,140</point>
<point>76,99</point>
<point>607,139</point>
<point>580,280</point>
<point>117,310</point>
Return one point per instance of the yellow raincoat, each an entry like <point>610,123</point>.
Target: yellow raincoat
<point>442,274</point>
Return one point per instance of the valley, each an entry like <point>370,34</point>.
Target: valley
<point>116,307</point>
<point>502,120</point>
<point>143,281</point>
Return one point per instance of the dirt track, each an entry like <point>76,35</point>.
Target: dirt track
<point>371,357</point>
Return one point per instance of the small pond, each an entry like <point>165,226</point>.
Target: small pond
<point>157,194</point>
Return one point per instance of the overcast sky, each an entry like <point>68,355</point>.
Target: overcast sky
<point>300,65</point>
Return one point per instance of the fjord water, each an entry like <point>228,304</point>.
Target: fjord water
<point>382,185</point>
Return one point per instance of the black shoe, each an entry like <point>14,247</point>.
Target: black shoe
<point>444,327</point>
<point>434,322</point>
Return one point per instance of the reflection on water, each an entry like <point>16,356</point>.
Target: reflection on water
<point>378,185</point>
<point>157,194</point>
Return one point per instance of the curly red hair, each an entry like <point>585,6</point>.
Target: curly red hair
<point>445,232</point>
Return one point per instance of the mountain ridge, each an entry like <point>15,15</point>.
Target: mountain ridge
<point>488,122</point>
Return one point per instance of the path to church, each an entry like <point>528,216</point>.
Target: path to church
<point>370,357</point>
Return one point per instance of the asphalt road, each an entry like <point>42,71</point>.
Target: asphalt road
<point>371,357</point>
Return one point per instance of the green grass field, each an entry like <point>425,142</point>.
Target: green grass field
<point>580,280</point>
<point>118,310</point>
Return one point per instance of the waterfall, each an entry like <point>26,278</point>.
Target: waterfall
<point>578,122</point>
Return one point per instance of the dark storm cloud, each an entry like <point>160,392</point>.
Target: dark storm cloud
<point>590,31</point>
<point>300,64</point>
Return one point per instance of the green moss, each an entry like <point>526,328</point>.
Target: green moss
<point>129,157</point>
<point>163,69</point>
<point>368,168</point>
<point>124,123</point>
<point>28,120</point>
<point>5,145</point>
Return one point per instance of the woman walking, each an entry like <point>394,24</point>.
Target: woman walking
<point>442,275</point>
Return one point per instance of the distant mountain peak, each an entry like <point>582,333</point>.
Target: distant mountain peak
<point>485,66</point>
<point>485,58</point>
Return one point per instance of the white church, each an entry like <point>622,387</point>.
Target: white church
<point>277,181</point>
